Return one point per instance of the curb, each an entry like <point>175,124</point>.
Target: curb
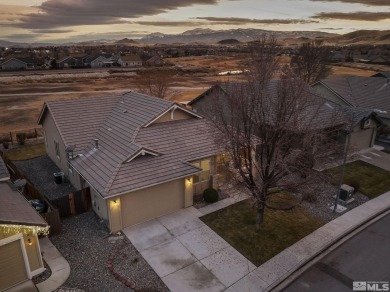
<point>363,214</point>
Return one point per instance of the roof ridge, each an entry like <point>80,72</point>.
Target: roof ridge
<point>112,178</point>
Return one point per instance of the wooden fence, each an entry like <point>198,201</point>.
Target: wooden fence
<point>31,134</point>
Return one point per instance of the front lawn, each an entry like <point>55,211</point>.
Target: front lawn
<point>236,224</point>
<point>373,180</point>
<point>25,152</point>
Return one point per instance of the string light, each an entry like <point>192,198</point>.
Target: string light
<point>24,229</point>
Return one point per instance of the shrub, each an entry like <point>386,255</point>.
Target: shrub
<point>21,138</point>
<point>356,185</point>
<point>309,197</point>
<point>210,195</point>
<point>5,144</point>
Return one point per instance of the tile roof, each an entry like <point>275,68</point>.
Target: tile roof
<point>4,174</point>
<point>364,92</point>
<point>16,210</point>
<point>119,127</point>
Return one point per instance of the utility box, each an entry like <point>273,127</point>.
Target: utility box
<point>346,194</point>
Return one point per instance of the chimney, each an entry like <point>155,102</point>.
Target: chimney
<point>96,143</point>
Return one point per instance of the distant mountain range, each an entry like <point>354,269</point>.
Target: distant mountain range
<point>210,36</point>
<point>199,35</point>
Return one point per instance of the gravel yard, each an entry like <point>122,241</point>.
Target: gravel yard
<point>40,172</point>
<point>83,244</point>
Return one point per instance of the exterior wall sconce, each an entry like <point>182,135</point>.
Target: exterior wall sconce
<point>115,203</point>
<point>188,181</point>
<point>29,242</point>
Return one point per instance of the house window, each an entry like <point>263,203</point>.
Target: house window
<point>57,149</point>
<point>204,164</point>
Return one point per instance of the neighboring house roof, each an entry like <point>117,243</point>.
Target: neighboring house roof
<point>133,153</point>
<point>16,210</point>
<point>25,60</point>
<point>154,59</point>
<point>364,92</point>
<point>4,174</point>
<point>382,74</point>
<point>320,114</point>
<point>66,58</point>
<point>130,58</point>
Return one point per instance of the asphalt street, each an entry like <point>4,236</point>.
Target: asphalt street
<point>364,257</point>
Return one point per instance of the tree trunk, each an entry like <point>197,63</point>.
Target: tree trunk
<point>259,215</point>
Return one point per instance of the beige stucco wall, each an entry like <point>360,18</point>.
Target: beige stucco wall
<point>52,135</point>
<point>178,114</point>
<point>99,205</point>
<point>33,251</point>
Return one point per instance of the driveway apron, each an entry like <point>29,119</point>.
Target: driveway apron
<point>187,254</point>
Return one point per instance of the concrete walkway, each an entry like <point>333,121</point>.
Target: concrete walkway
<point>376,157</point>
<point>187,254</point>
<point>277,269</point>
<point>60,269</point>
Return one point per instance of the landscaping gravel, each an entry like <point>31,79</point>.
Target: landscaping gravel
<point>40,172</point>
<point>321,208</point>
<point>85,244</point>
<point>43,276</point>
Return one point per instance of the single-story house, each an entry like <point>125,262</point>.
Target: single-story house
<point>130,61</point>
<point>359,92</point>
<point>329,115</point>
<point>20,224</point>
<point>154,61</point>
<point>138,157</point>
<point>67,62</point>
<point>102,61</point>
<point>20,63</point>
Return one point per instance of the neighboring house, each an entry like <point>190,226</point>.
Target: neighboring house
<point>154,61</point>
<point>329,115</point>
<point>130,61</point>
<point>76,61</point>
<point>102,61</point>
<point>67,62</point>
<point>20,63</point>
<point>20,224</point>
<point>139,157</point>
<point>360,92</point>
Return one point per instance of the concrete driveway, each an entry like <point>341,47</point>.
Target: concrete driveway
<point>377,158</point>
<point>187,254</point>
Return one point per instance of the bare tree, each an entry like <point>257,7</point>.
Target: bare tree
<point>311,62</point>
<point>272,130</point>
<point>156,82</point>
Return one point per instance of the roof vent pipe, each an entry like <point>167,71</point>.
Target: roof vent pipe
<point>96,143</point>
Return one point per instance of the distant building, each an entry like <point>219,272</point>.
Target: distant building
<point>154,61</point>
<point>20,63</point>
<point>130,61</point>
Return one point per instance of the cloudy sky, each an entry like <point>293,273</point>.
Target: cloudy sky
<point>77,20</point>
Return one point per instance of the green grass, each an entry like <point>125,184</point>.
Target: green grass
<point>280,229</point>
<point>25,152</point>
<point>373,180</point>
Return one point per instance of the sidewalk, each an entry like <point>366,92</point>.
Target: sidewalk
<point>273,272</point>
<point>60,269</point>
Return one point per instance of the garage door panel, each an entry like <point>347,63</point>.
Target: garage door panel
<point>12,266</point>
<point>152,202</point>
<point>362,139</point>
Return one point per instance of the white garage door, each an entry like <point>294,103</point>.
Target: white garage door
<point>152,202</point>
<point>12,266</point>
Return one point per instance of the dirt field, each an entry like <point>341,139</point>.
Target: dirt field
<point>22,95</point>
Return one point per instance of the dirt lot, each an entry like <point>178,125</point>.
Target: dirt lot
<point>23,94</point>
